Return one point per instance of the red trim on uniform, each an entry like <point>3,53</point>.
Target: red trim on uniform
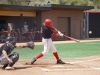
<point>40,55</point>
<point>52,27</point>
<point>56,55</point>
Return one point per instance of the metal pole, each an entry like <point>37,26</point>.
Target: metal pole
<point>84,28</point>
<point>87,25</point>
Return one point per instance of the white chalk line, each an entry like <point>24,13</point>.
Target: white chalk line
<point>75,69</point>
<point>83,69</point>
<point>83,61</point>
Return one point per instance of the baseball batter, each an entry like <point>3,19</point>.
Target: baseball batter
<point>47,31</point>
<point>7,58</point>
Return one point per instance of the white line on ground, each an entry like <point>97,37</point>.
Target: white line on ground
<point>48,70</point>
<point>83,61</point>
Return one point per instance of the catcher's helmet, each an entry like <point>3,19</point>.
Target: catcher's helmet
<point>10,39</point>
<point>47,22</point>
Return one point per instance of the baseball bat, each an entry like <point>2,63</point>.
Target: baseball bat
<point>76,40</point>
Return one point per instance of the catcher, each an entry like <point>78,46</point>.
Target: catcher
<point>8,59</point>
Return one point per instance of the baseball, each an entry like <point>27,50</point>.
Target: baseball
<point>90,32</point>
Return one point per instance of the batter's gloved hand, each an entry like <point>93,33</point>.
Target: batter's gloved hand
<point>30,45</point>
<point>61,34</point>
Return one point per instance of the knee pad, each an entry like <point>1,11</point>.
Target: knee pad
<point>15,57</point>
<point>4,61</point>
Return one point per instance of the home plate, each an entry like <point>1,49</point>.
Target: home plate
<point>96,68</point>
<point>45,69</point>
<point>57,66</point>
<point>71,63</point>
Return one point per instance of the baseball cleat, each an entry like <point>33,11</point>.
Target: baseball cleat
<point>60,62</point>
<point>33,60</point>
<point>9,68</point>
<point>4,66</point>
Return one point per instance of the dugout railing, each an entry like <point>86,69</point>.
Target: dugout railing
<point>28,36</point>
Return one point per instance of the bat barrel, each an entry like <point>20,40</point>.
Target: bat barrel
<point>72,39</point>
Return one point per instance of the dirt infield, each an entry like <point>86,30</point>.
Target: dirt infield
<point>79,66</point>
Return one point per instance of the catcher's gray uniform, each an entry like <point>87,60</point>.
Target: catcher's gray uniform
<point>14,56</point>
<point>8,48</point>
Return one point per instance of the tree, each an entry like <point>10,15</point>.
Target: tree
<point>17,2</point>
<point>60,1</point>
<point>3,1</point>
<point>38,2</point>
<point>96,3</point>
<point>71,2</point>
<point>14,2</point>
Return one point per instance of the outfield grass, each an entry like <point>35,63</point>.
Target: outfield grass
<point>66,50</point>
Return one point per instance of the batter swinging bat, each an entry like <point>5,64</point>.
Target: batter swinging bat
<point>72,39</point>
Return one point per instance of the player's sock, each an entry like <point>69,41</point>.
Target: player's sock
<point>40,55</point>
<point>56,55</point>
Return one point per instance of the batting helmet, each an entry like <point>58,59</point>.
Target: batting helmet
<point>47,22</point>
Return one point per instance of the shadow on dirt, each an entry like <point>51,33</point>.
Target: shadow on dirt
<point>26,67</point>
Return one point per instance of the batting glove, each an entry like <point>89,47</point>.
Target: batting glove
<point>60,34</point>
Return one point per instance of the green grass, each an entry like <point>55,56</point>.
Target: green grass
<point>66,50</point>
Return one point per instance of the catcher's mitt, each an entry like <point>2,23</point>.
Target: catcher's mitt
<point>31,44</point>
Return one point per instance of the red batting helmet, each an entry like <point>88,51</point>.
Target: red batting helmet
<point>48,22</point>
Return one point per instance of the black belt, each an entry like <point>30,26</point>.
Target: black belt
<point>46,38</point>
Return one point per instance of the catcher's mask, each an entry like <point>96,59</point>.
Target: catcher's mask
<point>10,45</point>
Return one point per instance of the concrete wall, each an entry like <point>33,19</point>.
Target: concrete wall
<point>76,20</point>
